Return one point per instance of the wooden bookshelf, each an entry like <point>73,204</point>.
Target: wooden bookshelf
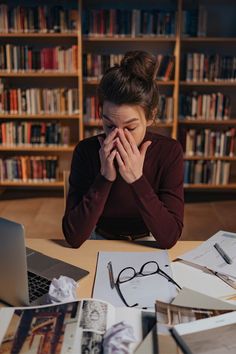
<point>29,35</point>
<point>218,40</point>
<point>207,83</point>
<point>38,75</point>
<point>211,158</point>
<point>212,123</point>
<point>128,39</point>
<point>40,116</point>
<point>37,148</point>
<point>36,184</point>
<point>46,78</point>
<point>210,187</point>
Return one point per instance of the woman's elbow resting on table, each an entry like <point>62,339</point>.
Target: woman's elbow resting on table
<point>74,239</point>
<point>168,239</point>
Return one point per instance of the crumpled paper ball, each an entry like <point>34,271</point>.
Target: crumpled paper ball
<point>62,289</point>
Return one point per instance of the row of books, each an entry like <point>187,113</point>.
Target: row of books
<point>39,133</point>
<point>37,19</point>
<point>204,67</point>
<point>16,58</point>
<point>29,169</point>
<point>195,106</point>
<point>207,142</point>
<point>194,22</point>
<point>134,23</point>
<point>90,109</point>
<point>207,172</point>
<point>95,65</point>
<point>39,101</point>
<point>165,109</point>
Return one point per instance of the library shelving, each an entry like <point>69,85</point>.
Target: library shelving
<point>188,37</point>
<point>40,90</point>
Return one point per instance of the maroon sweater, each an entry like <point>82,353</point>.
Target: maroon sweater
<point>152,203</point>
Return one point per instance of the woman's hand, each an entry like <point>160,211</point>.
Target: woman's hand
<point>107,154</point>
<point>129,157</point>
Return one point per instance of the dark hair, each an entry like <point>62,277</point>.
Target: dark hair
<point>132,82</point>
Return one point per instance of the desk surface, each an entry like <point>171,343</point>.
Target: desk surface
<point>86,256</point>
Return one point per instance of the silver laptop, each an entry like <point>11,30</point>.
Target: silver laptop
<point>25,274</point>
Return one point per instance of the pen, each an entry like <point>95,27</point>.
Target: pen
<point>111,276</point>
<point>224,255</point>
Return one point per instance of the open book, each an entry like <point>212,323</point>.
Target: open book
<point>73,327</point>
<point>213,335</point>
<point>169,315</point>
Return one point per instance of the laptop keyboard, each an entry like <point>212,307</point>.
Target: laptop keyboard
<point>38,286</point>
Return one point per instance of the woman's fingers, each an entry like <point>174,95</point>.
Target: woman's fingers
<point>124,141</point>
<point>131,141</point>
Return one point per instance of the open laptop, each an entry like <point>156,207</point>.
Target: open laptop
<point>25,274</point>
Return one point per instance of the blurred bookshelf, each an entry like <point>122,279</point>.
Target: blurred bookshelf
<point>53,55</point>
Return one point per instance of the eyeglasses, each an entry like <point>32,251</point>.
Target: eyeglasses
<point>129,273</point>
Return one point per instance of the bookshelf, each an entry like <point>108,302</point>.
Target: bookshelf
<point>102,32</point>
<point>45,44</point>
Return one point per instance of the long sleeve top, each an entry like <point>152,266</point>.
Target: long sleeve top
<point>152,203</point>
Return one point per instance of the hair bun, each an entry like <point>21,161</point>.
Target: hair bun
<point>141,64</point>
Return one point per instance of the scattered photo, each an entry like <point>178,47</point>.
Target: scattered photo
<point>94,315</point>
<point>91,343</point>
<point>42,330</point>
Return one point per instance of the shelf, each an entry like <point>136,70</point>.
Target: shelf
<point>40,116</point>
<point>117,38</point>
<point>213,187</point>
<point>215,158</point>
<point>208,39</point>
<point>208,83</point>
<point>38,148</point>
<point>207,122</point>
<point>96,82</point>
<point>56,184</point>
<point>39,74</point>
<point>51,35</point>
<point>93,124</point>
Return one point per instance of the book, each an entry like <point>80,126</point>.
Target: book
<point>70,327</point>
<point>210,336</point>
<point>170,316</point>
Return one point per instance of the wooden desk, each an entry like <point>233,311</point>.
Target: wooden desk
<point>86,256</point>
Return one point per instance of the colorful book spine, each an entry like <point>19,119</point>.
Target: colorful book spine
<point>204,67</point>
<point>32,101</point>
<point>38,19</point>
<point>33,134</point>
<point>207,172</point>
<point>209,143</point>
<point>132,23</point>
<point>18,58</point>
<point>195,106</point>
<point>29,169</point>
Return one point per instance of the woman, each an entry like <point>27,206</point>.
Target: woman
<point>126,183</point>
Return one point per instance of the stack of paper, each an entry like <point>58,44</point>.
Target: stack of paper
<point>207,256</point>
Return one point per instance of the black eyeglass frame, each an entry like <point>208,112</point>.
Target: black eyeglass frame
<point>140,274</point>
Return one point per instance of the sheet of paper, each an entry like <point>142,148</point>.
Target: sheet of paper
<point>207,323</point>
<point>195,279</point>
<point>206,255</point>
<point>144,290</point>
<point>190,298</point>
<point>213,335</point>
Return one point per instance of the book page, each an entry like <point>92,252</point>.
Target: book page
<point>215,335</point>
<point>73,327</point>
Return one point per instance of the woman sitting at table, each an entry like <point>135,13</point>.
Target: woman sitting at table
<point>128,182</point>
